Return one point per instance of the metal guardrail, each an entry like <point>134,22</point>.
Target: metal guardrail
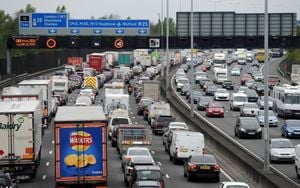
<point>273,178</point>
<point>8,82</point>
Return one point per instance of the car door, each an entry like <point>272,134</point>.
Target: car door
<point>237,125</point>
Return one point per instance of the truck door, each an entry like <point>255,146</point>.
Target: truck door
<point>4,135</point>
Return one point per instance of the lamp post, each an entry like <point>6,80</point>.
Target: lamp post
<point>162,34</point>
<point>266,92</point>
<point>192,59</point>
<point>167,50</point>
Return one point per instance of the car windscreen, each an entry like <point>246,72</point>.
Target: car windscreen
<point>139,152</point>
<point>165,118</point>
<point>183,81</point>
<point>250,105</point>
<point>293,123</point>
<point>249,123</point>
<point>205,99</point>
<point>148,175</point>
<point>281,144</point>
<point>117,121</point>
<point>240,99</point>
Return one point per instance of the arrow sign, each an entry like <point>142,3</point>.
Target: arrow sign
<point>97,31</point>
<point>119,31</point>
<point>52,31</point>
<point>142,31</point>
<point>75,31</point>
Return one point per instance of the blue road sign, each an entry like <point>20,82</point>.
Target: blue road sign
<point>75,31</point>
<point>52,31</point>
<point>97,31</point>
<point>49,20</point>
<point>109,23</point>
<point>120,31</point>
<point>24,24</point>
<point>142,31</point>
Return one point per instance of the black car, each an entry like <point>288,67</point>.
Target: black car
<point>6,181</point>
<point>197,95</point>
<point>228,84</point>
<point>202,166</point>
<point>252,95</point>
<point>203,81</point>
<point>247,127</point>
<point>143,104</point>
<point>259,87</point>
<point>146,173</point>
<point>203,102</point>
<point>161,122</point>
<point>211,89</point>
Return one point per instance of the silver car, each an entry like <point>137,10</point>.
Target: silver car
<point>249,109</point>
<point>273,120</point>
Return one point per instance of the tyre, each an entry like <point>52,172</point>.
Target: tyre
<point>184,174</point>
<point>297,172</point>
<point>217,179</point>
<point>170,158</point>
<point>189,177</point>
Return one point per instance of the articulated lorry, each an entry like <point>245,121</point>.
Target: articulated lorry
<point>21,138</point>
<point>80,147</point>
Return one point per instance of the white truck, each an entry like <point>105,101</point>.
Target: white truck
<point>220,75</point>
<point>295,75</point>
<point>60,83</point>
<point>21,133</point>
<point>242,57</point>
<point>151,89</point>
<point>219,60</point>
<point>21,94</point>
<point>115,101</point>
<point>145,60</point>
<point>47,101</point>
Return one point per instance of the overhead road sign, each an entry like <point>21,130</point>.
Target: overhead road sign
<point>145,42</point>
<point>59,24</point>
<point>209,24</point>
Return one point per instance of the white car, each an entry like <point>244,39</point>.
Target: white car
<point>134,151</point>
<point>88,92</point>
<point>233,184</point>
<point>235,71</point>
<point>282,149</point>
<point>173,126</point>
<point>181,82</point>
<point>199,76</point>
<point>221,94</point>
<point>83,101</point>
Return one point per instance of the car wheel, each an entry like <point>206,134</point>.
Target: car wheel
<point>286,135</point>
<point>297,172</point>
<point>189,177</point>
<point>217,179</point>
<point>184,173</point>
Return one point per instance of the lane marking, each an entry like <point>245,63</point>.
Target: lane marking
<point>53,142</point>
<point>167,176</point>
<point>44,177</point>
<point>50,152</point>
<point>133,117</point>
<point>47,163</point>
<point>227,175</point>
<point>131,113</point>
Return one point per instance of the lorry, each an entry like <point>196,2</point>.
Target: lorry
<point>151,89</point>
<point>219,60</point>
<point>145,61</point>
<point>295,75</point>
<point>80,146</point>
<point>242,57</point>
<point>96,61</point>
<point>91,82</point>
<point>220,75</point>
<point>76,61</point>
<point>115,101</point>
<point>60,83</point>
<point>47,101</point>
<point>21,138</point>
<point>125,59</point>
<point>21,94</point>
<point>110,59</point>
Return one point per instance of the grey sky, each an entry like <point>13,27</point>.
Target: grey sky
<point>148,9</point>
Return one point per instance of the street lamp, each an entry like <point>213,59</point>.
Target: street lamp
<point>266,94</point>
<point>167,50</point>
<point>161,34</point>
<point>192,59</point>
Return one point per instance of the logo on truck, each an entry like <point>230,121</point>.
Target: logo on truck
<point>11,126</point>
<point>81,141</point>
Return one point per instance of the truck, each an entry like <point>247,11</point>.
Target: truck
<point>151,89</point>
<point>21,138</point>
<point>220,75</point>
<point>76,61</point>
<point>47,100</point>
<point>96,61</point>
<point>137,53</point>
<point>115,101</point>
<point>60,83</point>
<point>21,94</point>
<point>219,60</point>
<point>110,59</point>
<point>125,59</point>
<point>145,61</point>
<point>80,146</point>
<point>295,75</point>
<point>242,56</point>
<point>91,82</point>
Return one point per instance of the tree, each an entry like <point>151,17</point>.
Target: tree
<point>155,28</point>
<point>61,9</point>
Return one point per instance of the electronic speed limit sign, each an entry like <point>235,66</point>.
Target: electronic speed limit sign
<point>119,43</point>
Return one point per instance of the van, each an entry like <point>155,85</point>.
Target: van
<point>297,160</point>
<point>158,108</point>
<point>237,100</point>
<point>185,144</point>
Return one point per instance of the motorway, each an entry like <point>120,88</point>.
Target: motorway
<point>256,146</point>
<point>173,173</point>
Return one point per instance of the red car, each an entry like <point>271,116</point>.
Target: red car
<point>244,78</point>
<point>215,109</point>
<point>203,67</point>
<point>273,81</point>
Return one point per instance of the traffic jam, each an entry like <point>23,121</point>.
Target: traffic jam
<point>87,107</point>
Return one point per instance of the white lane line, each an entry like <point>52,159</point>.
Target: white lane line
<point>44,177</point>
<point>50,152</point>
<point>136,123</point>
<point>261,68</point>
<point>227,175</point>
<point>131,113</point>
<point>167,176</point>
<point>133,117</point>
<point>47,163</point>
<point>53,142</point>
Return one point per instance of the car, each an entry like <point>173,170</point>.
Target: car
<point>181,82</point>
<point>232,184</point>
<point>247,127</point>
<point>83,101</point>
<point>203,102</point>
<point>235,71</point>
<point>237,100</point>
<point>197,95</point>
<point>202,166</point>
<point>273,81</point>
<point>88,92</point>
<point>146,184</point>
<point>211,89</point>
<point>273,120</point>
<point>173,126</point>
<point>258,76</point>
<point>251,95</point>
<point>143,104</point>
<point>221,94</point>
<point>206,85</point>
<point>160,122</point>
<point>249,109</point>
<point>261,102</point>
<point>134,161</point>
<point>244,78</point>
<point>291,128</point>
<point>259,88</point>
<point>199,76</point>
<point>147,173</point>
<point>282,149</point>
<point>6,181</point>
<point>185,89</point>
<point>134,151</point>
<point>215,109</point>
<point>243,89</point>
<point>203,81</point>
<point>255,63</point>
<point>249,83</point>
<point>204,67</point>
<point>228,84</point>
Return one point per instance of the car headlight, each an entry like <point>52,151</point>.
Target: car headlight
<point>242,129</point>
<point>289,130</point>
<point>287,111</point>
<point>275,153</point>
<point>258,130</point>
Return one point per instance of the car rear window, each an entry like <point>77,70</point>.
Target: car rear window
<point>203,159</point>
<point>140,152</point>
<point>116,121</point>
<point>148,175</point>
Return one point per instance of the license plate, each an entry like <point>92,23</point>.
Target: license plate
<point>251,133</point>
<point>297,132</point>
<point>22,177</point>
<point>204,167</point>
<point>184,150</point>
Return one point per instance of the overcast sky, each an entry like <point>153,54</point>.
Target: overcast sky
<point>147,9</point>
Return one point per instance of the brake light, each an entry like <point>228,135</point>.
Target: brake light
<point>176,150</point>
<point>127,158</point>
<point>129,171</point>
<point>216,168</point>
<point>192,167</point>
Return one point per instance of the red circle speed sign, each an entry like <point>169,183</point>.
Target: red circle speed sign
<point>119,43</point>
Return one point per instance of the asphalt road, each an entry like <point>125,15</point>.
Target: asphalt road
<point>256,146</point>
<point>173,173</point>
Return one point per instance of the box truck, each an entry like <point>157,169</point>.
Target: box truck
<point>21,138</point>
<point>115,101</point>
<point>125,59</point>
<point>80,146</point>
<point>96,61</point>
<point>151,89</point>
<point>21,94</point>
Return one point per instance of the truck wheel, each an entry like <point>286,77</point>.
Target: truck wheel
<point>297,172</point>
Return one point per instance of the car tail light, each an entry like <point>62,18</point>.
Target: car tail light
<point>216,168</point>
<point>127,158</point>
<point>176,150</point>
<point>192,167</point>
<point>129,171</point>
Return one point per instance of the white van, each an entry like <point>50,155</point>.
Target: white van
<point>237,100</point>
<point>185,144</point>
<point>297,160</point>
